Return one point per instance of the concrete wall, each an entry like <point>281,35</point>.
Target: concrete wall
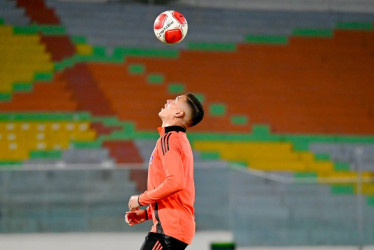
<point>259,212</point>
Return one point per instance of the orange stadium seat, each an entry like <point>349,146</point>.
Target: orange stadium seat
<point>264,78</point>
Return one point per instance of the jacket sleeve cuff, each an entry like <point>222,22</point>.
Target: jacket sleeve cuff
<point>139,201</point>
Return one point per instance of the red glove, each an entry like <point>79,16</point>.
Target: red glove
<point>136,217</point>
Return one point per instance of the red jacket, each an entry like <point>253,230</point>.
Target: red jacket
<point>170,186</point>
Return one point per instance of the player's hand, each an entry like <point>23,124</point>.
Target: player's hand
<point>135,217</point>
<point>134,202</point>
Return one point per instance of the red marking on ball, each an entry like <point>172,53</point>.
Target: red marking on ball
<point>181,19</point>
<point>160,21</point>
<point>173,36</point>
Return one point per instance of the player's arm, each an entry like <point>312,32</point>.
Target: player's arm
<point>173,167</point>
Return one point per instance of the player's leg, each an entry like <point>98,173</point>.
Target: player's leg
<point>153,241</point>
<point>174,244</point>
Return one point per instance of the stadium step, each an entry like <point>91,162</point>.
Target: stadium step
<point>312,33</point>
<point>211,46</point>
<point>354,26</point>
<point>123,151</point>
<point>264,39</point>
<point>48,30</point>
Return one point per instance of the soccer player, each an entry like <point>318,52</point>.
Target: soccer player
<point>170,191</point>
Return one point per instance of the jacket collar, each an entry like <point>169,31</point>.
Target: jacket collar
<point>164,130</point>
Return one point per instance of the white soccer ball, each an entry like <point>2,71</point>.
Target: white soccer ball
<point>170,27</point>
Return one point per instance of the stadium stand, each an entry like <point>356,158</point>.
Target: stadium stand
<point>285,92</point>
<point>279,156</point>
<point>40,136</point>
<point>344,153</point>
<point>23,56</point>
<point>287,5</point>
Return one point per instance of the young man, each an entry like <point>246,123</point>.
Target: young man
<point>170,191</point>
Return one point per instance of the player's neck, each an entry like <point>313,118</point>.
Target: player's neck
<point>172,123</point>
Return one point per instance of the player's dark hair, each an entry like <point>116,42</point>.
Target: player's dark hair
<point>197,110</point>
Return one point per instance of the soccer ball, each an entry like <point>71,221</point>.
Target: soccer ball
<point>170,27</point>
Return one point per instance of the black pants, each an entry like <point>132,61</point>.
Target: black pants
<point>154,241</point>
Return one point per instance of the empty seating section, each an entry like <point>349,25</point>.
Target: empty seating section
<point>272,156</point>
<point>130,25</point>
<point>88,20</point>
<point>314,85</point>
<point>20,139</point>
<point>22,57</point>
<point>234,84</point>
<point>139,97</point>
<point>262,156</point>
<point>314,97</point>
<point>47,97</point>
<point>347,153</point>
<point>281,157</point>
<point>130,97</point>
<point>275,99</point>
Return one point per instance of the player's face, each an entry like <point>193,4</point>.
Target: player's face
<point>172,106</point>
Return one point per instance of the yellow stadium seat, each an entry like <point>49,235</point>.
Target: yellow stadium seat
<point>268,156</point>
<point>84,49</point>
<point>306,156</point>
<point>22,56</point>
<point>325,166</point>
<point>367,189</point>
<point>6,30</point>
<point>86,136</point>
<point>17,139</point>
<point>277,166</point>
